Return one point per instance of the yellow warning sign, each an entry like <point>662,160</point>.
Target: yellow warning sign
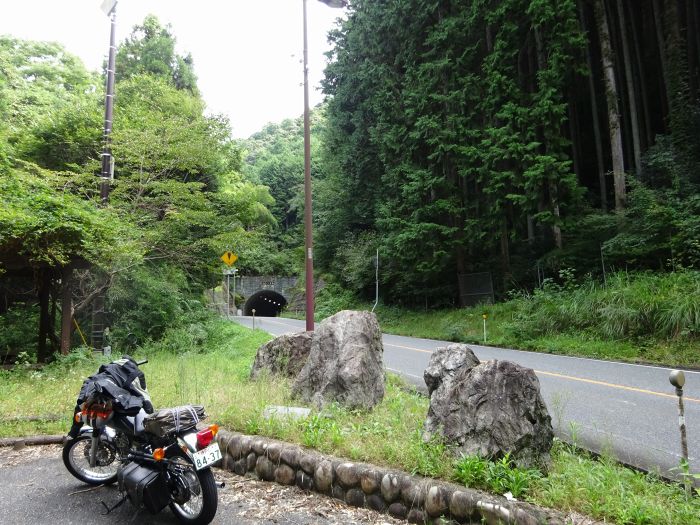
<point>229,258</point>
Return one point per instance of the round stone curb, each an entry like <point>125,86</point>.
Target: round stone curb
<point>414,498</point>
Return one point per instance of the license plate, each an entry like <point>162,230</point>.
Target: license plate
<point>207,457</point>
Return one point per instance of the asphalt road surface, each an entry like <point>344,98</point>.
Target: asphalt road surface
<point>629,410</point>
<point>38,490</point>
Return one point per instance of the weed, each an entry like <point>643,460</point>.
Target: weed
<point>470,471</point>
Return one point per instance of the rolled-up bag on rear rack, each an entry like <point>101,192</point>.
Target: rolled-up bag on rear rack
<point>167,421</point>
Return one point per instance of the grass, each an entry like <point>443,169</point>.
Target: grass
<point>213,369</point>
<point>641,318</point>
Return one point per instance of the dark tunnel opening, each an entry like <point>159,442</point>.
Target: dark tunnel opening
<point>266,303</point>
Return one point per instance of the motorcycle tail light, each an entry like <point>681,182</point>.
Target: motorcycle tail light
<point>204,437</point>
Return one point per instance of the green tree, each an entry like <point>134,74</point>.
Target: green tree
<point>150,50</point>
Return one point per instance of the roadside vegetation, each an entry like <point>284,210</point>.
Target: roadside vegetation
<point>635,317</point>
<point>209,362</point>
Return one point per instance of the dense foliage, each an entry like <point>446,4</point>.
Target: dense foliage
<point>178,201</point>
<point>475,139</point>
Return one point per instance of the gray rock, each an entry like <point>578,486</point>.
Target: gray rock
<point>416,516</point>
<point>346,363</point>
<point>285,475</point>
<point>493,409</point>
<point>251,461</point>
<point>273,452</point>
<point>259,446</point>
<point>391,487</point>
<point>234,446</point>
<point>265,469</point>
<point>304,481</point>
<point>282,413</point>
<point>370,480</point>
<point>462,504</point>
<point>436,502</point>
<point>308,461</point>
<point>348,475</point>
<point>355,497</point>
<point>445,362</point>
<point>413,491</point>
<point>338,492</point>
<point>285,355</point>
<point>290,456</point>
<point>323,476</point>
<point>375,502</point>
<point>398,510</point>
<point>240,466</point>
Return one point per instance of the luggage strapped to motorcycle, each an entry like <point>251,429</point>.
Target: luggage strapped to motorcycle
<point>173,420</point>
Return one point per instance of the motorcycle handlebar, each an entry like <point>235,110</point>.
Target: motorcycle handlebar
<point>142,362</point>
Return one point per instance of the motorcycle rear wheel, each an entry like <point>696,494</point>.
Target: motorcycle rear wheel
<point>200,508</point>
<point>76,458</point>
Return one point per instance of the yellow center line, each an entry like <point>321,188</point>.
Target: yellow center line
<point>581,379</point>
<point>615,385</point>
<point>409,348</point>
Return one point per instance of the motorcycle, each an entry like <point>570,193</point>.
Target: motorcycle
<point>158,458</point>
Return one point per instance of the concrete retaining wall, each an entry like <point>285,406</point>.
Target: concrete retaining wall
<point>417,499</point>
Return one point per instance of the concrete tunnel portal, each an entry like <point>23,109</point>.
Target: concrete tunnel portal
<point>266,303</point>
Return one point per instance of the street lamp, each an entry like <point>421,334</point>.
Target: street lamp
<point>308,237</point>
<point>109,8</point>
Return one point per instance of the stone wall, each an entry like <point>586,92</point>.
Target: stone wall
<point>417,499</point>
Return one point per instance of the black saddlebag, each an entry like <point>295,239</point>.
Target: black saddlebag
<point>145,487</point>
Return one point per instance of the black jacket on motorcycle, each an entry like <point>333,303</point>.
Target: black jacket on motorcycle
<point>123,382</point>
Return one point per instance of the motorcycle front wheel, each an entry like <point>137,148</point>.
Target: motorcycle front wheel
<point>76,458</point>
<point>202,501</point>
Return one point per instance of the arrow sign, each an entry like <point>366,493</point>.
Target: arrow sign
<point>229,258</point>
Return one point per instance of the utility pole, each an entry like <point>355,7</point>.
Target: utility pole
<point>110,8</point>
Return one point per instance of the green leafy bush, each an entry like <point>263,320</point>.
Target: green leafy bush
<point>18,332</point>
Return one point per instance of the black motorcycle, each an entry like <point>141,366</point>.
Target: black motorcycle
<point>158,458</point>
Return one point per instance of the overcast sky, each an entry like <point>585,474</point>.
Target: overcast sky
<point>247,53</point>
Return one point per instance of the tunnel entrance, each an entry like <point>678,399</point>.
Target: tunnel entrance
<point>266,303</point>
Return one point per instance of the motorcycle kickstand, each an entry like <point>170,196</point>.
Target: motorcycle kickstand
<point>118,504</point>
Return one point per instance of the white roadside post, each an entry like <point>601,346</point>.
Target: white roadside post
<point>677,379</point>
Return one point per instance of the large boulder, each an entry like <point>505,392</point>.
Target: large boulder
<point>445,363</point>
<point>284,355</point>
<point>346,363</point>
<point>491,409</point>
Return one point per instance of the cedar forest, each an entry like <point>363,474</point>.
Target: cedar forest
<point>525,138</point>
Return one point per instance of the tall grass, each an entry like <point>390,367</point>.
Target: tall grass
<point>633,317</point>
<point>215,373</point>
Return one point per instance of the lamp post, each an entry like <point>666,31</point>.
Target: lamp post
<point>308,237</point>
<point>109,8</point>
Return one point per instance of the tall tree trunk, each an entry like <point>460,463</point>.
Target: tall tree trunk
<point>551,184</point>
<point>691,31</point>
<point>505,251</point>
<point>42,355</point>
<point>660,41</point>
<point>631,95</point>
<point>66,308</point>
<point>55,344</point>
<point>594,113</point>
<point>613,110</point>
<point>97,322</point>
<point>574,135</point>
<point>639,61</point>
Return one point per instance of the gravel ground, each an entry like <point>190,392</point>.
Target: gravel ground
<point>37,489</point>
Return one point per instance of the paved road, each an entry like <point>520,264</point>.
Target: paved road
<point>630,410</point>
<point>38,490</point>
